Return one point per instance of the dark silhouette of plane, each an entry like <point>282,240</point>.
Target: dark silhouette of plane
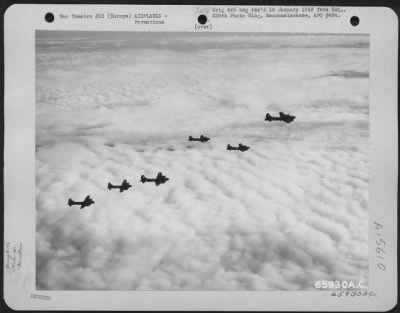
<point>287,118</point>
<point>124,186</point>
<point>201,139</point>
<point>160,179</point>
<point>240,147</point>
<point>88,201</point>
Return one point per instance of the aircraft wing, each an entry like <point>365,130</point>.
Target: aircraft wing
<point>88,201</point>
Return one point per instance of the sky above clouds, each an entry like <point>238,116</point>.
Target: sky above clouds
<point>288,212</point>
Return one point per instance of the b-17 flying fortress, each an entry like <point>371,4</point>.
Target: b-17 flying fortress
<point>240,147</point>
<point>201,139</point>
<point>88,201</point>
<point>162,179</point>
<point>282,117</point>
<point>124,186</point>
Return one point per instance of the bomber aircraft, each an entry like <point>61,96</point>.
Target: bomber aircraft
<point>201,139</point>
<point>240,147</point>
<point>160,179</point>
<point>88,201</point>
<point>124,186</point>
<point>287,118</point>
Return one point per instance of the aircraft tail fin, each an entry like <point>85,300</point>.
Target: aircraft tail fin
<point>267,117</point>
<point>70,202</point>
<point>190,138</point>
<point>109,186</point>
<point>228,147</point>
<point>142,178</point>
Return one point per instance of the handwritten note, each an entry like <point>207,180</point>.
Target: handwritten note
<point>13,257</point>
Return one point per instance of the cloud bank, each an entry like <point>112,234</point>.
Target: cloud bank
<point>290,211</point>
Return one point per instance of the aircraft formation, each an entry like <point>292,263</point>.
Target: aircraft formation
<point>162,179</point>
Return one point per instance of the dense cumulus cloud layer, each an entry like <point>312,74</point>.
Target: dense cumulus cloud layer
<point>288,212</point>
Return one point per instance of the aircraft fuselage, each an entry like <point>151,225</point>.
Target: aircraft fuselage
<point>158,180</point>
<point>121,188</point>
<point>200,139</point>
<point>282,117</point>
<point>241,148</point>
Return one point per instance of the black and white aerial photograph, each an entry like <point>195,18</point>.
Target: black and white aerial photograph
<point>199,161</point>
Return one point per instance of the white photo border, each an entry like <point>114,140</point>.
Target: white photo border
<point>21,22</point>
